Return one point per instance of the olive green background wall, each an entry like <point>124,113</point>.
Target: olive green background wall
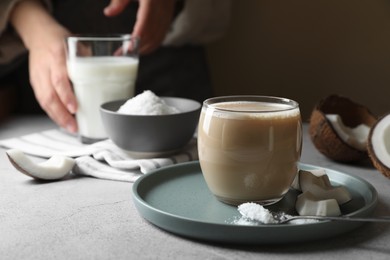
<point>306,50</point>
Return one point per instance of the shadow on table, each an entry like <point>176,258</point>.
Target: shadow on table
<point>46,182</point>
<point>357,239</point>
<point>352,239</point>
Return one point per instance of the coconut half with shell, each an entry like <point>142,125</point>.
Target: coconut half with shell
<point>379,145</point>
<point>339,128</point>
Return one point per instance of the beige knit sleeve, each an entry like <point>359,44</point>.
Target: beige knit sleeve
<point>10,44</point>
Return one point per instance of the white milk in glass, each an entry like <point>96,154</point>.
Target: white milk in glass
<point>97,80</point>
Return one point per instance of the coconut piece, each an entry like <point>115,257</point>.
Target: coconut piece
<point>320,173</point>
<point>356,137</point>
<point>54,168</point>
<point>319,185</point>
<point>309,205</point>
<point>379,145</point>
<point>326,131</point>
<point>308,178</point>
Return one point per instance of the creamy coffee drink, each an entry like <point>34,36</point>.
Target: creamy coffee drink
<point>249,149</point>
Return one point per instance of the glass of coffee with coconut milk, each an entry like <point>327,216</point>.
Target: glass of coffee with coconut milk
<point>102,68</point>
<point>249,147</point>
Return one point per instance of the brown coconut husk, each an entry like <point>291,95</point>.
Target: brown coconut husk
<point>325,138</point>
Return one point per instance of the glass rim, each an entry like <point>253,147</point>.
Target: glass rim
<point>102,37</point>
<point>292,104</point>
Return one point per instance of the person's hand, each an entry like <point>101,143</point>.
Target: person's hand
<point>154,18</point>
<point>49,79</point>
<point>44,38</point>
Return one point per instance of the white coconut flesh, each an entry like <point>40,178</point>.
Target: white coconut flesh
<point>380,141</point>
<point>309,205</point>
<point>319,185</point>
<point>54,168</point>
<point>320,173</point>
<point>319,197</point>
<point>356,137</point>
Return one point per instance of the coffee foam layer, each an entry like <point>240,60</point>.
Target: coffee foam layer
<point>249,109</point>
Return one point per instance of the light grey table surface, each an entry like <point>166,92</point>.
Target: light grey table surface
<point>87,218</point>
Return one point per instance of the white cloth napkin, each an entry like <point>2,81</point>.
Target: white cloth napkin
<point>102,160</point>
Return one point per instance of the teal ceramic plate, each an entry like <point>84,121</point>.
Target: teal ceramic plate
<point>177,199</point>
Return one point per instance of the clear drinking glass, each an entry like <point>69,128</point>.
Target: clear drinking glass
<point>249,147</point>
<point>102,69</point>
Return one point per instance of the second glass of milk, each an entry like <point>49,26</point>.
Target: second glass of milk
<point>102,69</point>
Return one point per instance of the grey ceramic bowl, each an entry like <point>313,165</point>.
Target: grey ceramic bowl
<point>151,133</point>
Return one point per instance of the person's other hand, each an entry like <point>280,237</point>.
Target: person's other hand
<point>115,7</point>
<point>154,18</point>
<point>44,38</point>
